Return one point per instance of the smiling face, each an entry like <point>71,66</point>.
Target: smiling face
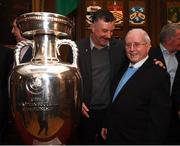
<point>101,32</point>
<point>137,47</point>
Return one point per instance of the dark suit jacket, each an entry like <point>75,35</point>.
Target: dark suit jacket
<point>6,61</point>
<point>141,111</point>
<point>157,53</point>
<point>117,58</point>
<point>174,128</point>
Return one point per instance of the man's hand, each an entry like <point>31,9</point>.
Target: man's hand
<point>85,110</point>
<point>104,133</point>
<point>158,62</point>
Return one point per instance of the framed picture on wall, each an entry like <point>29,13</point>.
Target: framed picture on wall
<point>116,7</point>
<point>91,7</point>
<point>137,14</point>
<point>173,12</point>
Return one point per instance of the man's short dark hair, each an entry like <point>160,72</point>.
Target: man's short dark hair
<point>105,15</point>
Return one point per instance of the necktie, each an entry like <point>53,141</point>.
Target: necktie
<point>127,75</point>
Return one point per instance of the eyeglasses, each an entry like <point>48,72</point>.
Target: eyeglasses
<point>134,45</point>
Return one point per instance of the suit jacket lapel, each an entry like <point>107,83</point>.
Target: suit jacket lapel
<point>118,78</point>
<point>178,69</point>
<point>156,53</point>
<point>178,56</point>
<point>111,56</point>
<point>86,52</point>
<point>134,79</point>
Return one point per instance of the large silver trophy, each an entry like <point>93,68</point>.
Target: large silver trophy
<point>45,93</point>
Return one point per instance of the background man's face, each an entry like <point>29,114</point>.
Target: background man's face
<point>16,32</point>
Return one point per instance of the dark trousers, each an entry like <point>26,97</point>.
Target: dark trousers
<point>90,128</point>
<point>173,137</point>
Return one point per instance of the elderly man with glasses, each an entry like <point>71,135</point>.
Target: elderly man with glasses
<point>141,105</point>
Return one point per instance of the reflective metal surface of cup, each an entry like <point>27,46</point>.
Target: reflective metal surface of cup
<point>44,22</point>
<point>45,92</point>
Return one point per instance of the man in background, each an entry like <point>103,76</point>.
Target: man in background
<point>11,137</point>
<point>168,52</point>
<point>26,51</point>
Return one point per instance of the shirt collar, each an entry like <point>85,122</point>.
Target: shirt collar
<point>138,64</point>
<point>165,51</point>
<point>92,45</point>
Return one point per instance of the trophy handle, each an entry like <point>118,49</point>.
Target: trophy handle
<point>18,48</point>
<point>73,45</point>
